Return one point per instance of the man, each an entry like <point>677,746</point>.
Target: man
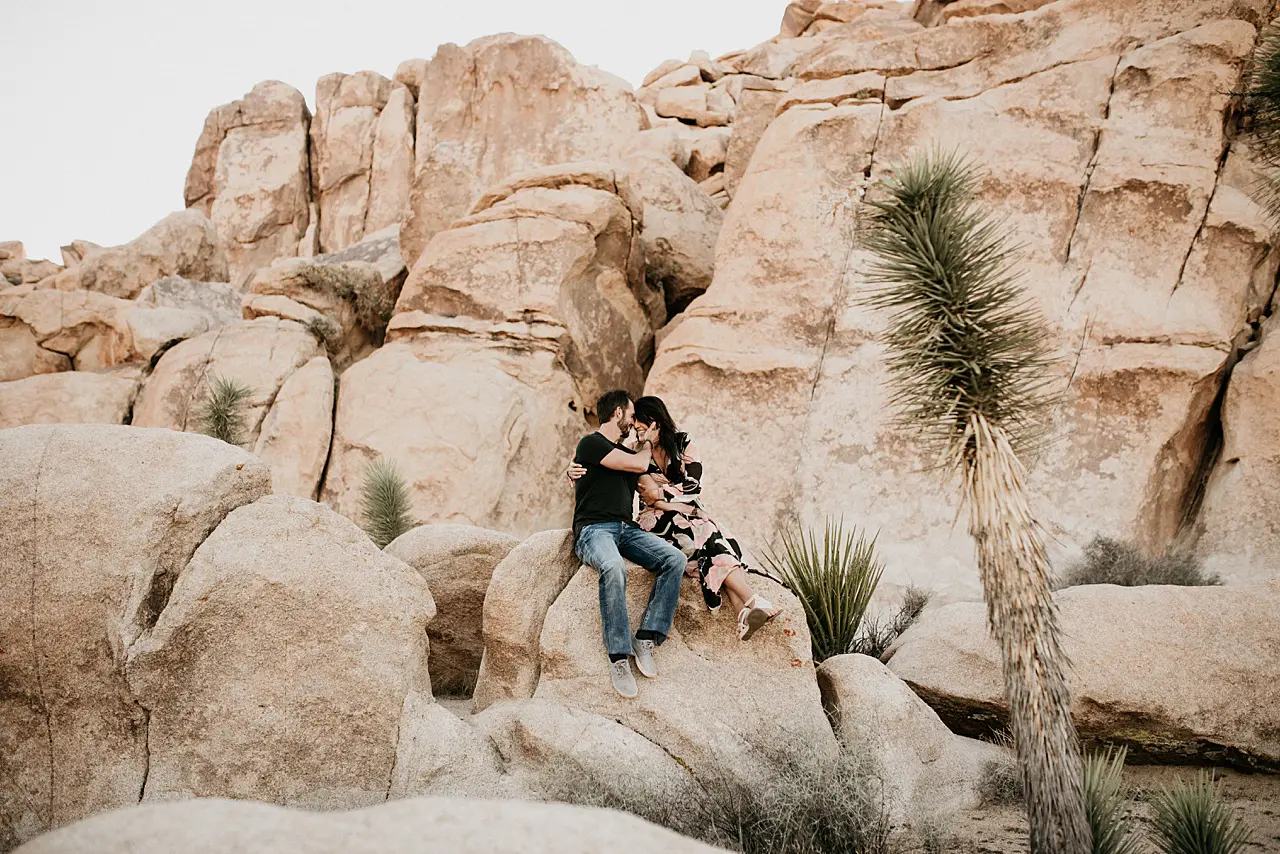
<point>604,532</point>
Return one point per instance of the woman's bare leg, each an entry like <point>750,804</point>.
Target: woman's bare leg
<point>740,592</point>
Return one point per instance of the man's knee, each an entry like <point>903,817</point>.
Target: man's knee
<point>612,572</point>
<point>673,560</point>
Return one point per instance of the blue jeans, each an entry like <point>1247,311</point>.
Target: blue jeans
<point>602,546</point>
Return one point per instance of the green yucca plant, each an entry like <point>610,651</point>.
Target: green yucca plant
<point>834,581</point>
<point>1262,102</point>
<point>970,363</point>
<point>1193,818</point>
<point>222,413</point>
<point>384,501</point>
<point>1104,803</point>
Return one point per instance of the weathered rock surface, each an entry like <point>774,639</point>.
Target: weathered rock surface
<point>69,397</point>
<point>1178,674</point>
<point>295,434</point>
<point>218,303</point>
<point>182,244</point>
<point>522,589</point>
<point>361,165</point>
<point>681,224</point>
<point>43,331</point>
<point>250,176</point>
<point>457,562</point>
<point>927,771</point>
<point>439,753</point>
<point>555,752</point>
<point>280,666</point>
<point>76,251</point>
<point>463,826</point>
<point>261,354</point>
<point>705,708</point>
<point>1115,182</point>
<point>501,105</point>
<point>379,248</point>
<point>100,520</point>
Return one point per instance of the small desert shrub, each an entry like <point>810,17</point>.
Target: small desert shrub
<point>384,501</point>
<point>877,636</point>
<point>811,805</point>
<point>834,581</point>
<point>362,286</point>
<point>222,412</point>
<point>1104,803</point>
<point>1193,818</point>
<point>326,331</point>
<point>1108,561</point>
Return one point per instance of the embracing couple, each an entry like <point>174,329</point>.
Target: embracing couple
<point>673,535</point>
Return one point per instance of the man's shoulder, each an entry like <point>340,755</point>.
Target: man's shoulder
<point>593,440</point>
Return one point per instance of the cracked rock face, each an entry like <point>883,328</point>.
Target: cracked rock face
<point>99,522</point>
<point>280,667</point>
<point>501,105</point>
<point>1102,131</point>
<point>69,397</point>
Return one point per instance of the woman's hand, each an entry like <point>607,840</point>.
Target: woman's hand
<point>574,471</point>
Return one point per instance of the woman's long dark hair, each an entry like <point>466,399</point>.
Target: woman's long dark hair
<point>651,410</point>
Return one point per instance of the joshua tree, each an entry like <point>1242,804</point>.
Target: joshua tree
<point>221,415</point>
<point>385,502</point>
<point>1262,101</point>
<point>970,364</point>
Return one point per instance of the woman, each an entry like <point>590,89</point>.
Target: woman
<point>671,507</point>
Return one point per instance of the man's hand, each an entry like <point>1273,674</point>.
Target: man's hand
<point>574,471</point>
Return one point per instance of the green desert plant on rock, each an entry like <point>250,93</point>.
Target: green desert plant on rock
<point>970,363</point>
<point>1104,803</point>
<point>1262,104</point>
<point>1193,818</point>
<point>384,502</point>
<point>834,580</point>
<point>1108,561</point>
<point>222,412</point>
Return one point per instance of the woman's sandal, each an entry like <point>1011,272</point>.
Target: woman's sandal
<point>757,612</point>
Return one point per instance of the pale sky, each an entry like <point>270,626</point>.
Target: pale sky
<point>101,102</point>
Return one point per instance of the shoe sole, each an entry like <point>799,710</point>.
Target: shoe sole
<point>625,696</point>
<point>755,619</point>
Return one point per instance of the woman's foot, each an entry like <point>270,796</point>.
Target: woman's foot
<point>753,615</point>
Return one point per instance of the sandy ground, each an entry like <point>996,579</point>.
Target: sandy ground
<point>1003,829</point>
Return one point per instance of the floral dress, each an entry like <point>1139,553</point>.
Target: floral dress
<point>716,551</point>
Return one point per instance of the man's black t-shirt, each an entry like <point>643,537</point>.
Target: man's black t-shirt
<point>602,494</point>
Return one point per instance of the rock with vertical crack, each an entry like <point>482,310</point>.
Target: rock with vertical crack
<point>100,520</point>
<point>1159,669</point>
<point>295,435</point>
<point>250,176</point>
<point>281,666</point>
<point>260,354</point>
<point>501,105</point>
<point>457,562</point>
<point>1117,196</point>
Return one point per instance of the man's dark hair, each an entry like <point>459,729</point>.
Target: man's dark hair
<point>609,404</point>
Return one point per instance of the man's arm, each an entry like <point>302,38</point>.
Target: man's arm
<point>637,463</point>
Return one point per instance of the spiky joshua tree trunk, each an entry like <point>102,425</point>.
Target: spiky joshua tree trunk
<point>970,363</point>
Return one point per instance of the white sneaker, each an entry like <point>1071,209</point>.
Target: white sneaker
<point>757,612</point>
<point>623,682</point>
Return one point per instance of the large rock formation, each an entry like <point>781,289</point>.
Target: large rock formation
<point>100,521</point>
<point>282,662</point>
<point>457,562</point>
<point>465,826</point>
<point>501,105</point>
<point>69,397</point>
<point>250,176</point>
<point>707,675</point>
<point>1177,674</point>
<point>1112,185</point>
<point>362,156</point>
<point>510,324</point>
<point>182,244</point>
